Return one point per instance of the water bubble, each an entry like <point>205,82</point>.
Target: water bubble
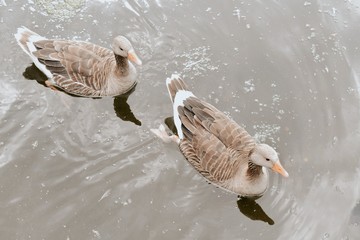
<point>96,233</point>
<point>335,140</point>
<point>266,131</point>
<point>249,86</point>
<point>35,144</point>
<point>326,236</point>
<point>236,13</point>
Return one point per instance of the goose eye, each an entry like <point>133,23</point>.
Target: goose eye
<point>121,49</point>
<point>267,159</point>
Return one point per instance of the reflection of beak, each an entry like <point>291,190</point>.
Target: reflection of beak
<point>279,169</point>
<point>133,57</point>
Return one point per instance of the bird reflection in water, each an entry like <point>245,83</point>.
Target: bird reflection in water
<point>121,107</point>
<point>253,210</point>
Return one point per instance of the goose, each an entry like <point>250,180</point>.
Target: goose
<point>216,146</point>
<point>82,68</point>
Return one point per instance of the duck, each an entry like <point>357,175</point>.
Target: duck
<point>82,68</point>
<point>216,146</point>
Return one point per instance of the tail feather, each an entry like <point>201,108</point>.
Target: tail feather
<point>174,84</point>
<point>179,92</point>
<point>26,39</point>
<point>24,36</point>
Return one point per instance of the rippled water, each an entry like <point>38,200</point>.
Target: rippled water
<point>76,168</point>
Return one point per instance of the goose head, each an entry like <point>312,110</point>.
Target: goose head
<point>266,156</point>
<point>122,47</point>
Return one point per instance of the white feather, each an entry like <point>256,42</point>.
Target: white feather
<point>31,48</point>
<point>18,35</point>
<point>179,99</point>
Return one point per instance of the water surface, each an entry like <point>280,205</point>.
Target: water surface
<point>77,168</point>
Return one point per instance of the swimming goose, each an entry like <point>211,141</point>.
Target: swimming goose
<point>82,68</point>
<point>216,146</point>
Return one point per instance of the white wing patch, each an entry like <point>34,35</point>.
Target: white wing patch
<point>31,48</point>
<point>179,99</point>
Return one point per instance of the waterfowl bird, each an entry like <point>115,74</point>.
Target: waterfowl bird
<point>216,146</point>
<point>82,68</point>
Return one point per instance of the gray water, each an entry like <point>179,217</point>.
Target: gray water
<point>77,168</point>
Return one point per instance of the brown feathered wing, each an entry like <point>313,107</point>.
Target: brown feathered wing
<point>213,143</point>
<point>76,66</point>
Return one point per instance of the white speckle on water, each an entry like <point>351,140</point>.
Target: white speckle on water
<point>126,202</point>
<point>197,61</point>
<point>335,140</point>
<point>96,234</point>
<point>106,194</point>
<point>276,98</point>
<point>316,56</point>
<point>307,3</point>
<point>266,132</point>
<point>236,12</point>
<point>249,86</point>
<point>60,120</point>
<point>35,144</point>
<point>53,153</point>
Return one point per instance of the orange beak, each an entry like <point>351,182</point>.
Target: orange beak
<point>133,57</point>
<point>279,169</point>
